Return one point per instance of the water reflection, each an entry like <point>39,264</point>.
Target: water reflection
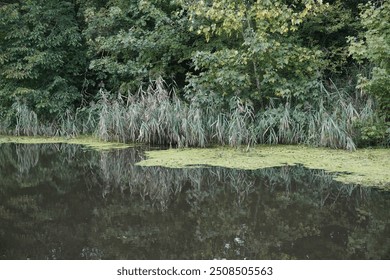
<point>61,201</point>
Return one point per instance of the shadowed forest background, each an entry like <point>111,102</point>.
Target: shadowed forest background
<point>194,73</point>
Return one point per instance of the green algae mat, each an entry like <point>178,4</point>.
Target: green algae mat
<point>87,141</point>
<point>368,167</point>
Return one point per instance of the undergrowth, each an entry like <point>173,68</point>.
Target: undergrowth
<point>156,115</point>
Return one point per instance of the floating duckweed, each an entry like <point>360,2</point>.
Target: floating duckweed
<point>368,167</point>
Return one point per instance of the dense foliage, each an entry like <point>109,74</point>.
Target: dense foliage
<point>244,72</point>
<point>374,46</point>
<point>42,57</point>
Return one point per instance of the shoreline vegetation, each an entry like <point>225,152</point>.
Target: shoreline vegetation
<point>366,167</point>
<point>157,116</point>
<point>197,73</point>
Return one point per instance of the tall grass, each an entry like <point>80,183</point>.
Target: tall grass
<point>26,120</point>
<point>156,115</point>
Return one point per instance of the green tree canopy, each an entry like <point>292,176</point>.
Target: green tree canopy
<point>131,42</point>
<point>255,51</point>
<point>41,55</point>
<point>373,45</point>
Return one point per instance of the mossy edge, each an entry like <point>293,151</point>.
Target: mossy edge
<point>88,141</point>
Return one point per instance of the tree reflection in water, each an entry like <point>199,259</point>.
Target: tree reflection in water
<point>61,201</point>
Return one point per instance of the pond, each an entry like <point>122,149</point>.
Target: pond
<point>61,201</point>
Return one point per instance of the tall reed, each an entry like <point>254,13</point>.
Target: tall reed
<point>26,120</point>
<point>156,115</point>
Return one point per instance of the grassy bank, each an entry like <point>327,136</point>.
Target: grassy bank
<point>369,167</point>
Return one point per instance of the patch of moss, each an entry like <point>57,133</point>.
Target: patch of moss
<point>88,141</point>
<point>367,167</point>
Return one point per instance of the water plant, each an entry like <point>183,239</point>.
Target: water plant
<point>157,115</point>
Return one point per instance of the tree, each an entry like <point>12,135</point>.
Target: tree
<point>132,42</point>
<point>260,56</point>
<point>373,46</point>
<point>42,58</point>
<point>329,31</point>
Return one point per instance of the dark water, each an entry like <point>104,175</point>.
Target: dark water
<point>65,202</point>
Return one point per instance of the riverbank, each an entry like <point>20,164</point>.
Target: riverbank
<point>88,141</point>
<point>368,167</point>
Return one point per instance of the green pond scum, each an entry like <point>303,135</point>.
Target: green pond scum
<point>367,167</point>
<point>87,141</point>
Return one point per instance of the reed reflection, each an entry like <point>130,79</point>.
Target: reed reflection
<point>65,202</point>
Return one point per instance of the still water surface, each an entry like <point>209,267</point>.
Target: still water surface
<point>61,201</point>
